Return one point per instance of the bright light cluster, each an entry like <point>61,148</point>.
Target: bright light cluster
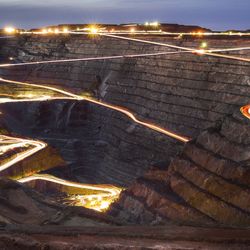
<point>152,24</point>
<point>9,30</point>
<point>132,30</point>
<point>53,31</point>
<point>94,29</point>
<point>204,45</point>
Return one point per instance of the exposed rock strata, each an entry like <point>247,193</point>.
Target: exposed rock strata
<point>186,93</point>
<point>208,183</point>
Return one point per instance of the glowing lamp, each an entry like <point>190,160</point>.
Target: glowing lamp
<point>155,24</point>
<point>200,51</point>
<point>132,30</point>
<point>93,30</point>
<point>65,30</point>
<point>10,30</point>
<point>44,31</point>
<point>104,205</point>
<point>200,33</point>
<point>203,45</point>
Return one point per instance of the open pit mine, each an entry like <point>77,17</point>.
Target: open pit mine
<point>124,140</point>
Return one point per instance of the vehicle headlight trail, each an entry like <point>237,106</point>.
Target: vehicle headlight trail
<point>106,193</point>
<point>6,37</point>
<point>111,190</point>
<point>92,59</point>
<point>191,50</point>
<point>197,51</point>
<point>181,50</point>
<point>110,106</point>
<point>102,197</point>
<point>17,143</point>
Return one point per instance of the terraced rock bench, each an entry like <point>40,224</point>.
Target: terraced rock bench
<point>206,184</point>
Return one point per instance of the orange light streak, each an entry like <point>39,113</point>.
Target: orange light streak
<point>107,193</point>
<point>110,106</point>
<point>246,111</point>
<point>206,52</point>
<point>38,145</point>
<point>111,190</point>
<point>91,59</point>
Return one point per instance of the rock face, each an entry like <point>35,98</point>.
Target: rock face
<point>208,183</point>
<point>185,93</point>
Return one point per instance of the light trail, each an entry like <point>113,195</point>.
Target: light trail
<point>43,87</point>
<point>197,51</point>
<point>38,99</point>
<point>9,146</point>
<point>162,44</point>
<point>246,111</point>
<point>145,124</point>
<point>110,106</point>
<point>155,32</point>
<point>106,193</point>
<point>230,49</point>
<point>91,59</point>
<point>10,143</point>
<point>111,190</point>
<point>183,50</point>
<point>6,37</point>
<point>123,57</point>
<point>19,142</point>
<point>136,32</point>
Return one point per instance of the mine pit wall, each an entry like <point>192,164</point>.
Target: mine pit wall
<point>185,93</point>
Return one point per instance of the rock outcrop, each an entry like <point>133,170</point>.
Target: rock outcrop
<point>208,183</point>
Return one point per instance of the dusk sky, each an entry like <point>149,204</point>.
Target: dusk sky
<point>214,14</point>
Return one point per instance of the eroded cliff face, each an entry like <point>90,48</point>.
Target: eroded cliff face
<point>208,183</point>
<point>185,93</point>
